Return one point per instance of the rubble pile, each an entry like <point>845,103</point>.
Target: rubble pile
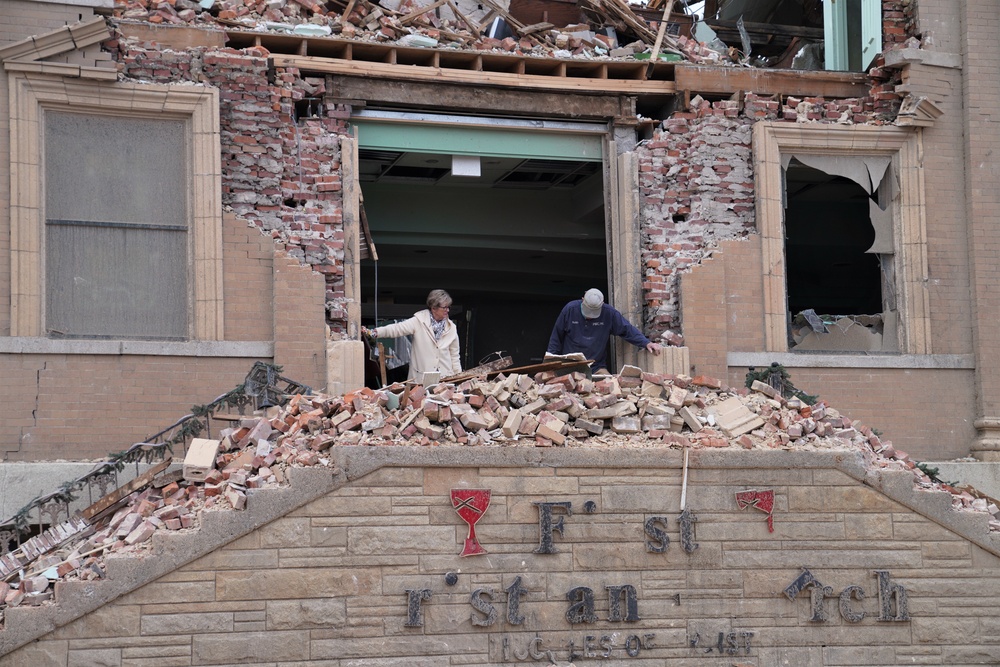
<point>632,409</point>
<point>570,410</point>
<point>438,24</point>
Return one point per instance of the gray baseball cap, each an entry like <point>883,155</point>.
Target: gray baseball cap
<point>591,304</point>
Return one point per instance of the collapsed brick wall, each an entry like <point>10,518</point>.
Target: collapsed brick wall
<point>280,170</point>
<point>697,188</point>
<point>899,27</point>
<point>696,172</point>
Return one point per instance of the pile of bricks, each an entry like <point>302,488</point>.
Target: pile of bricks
<point>633,408</point>
<point>407,23</point>
<point>75,549</point>
<point>630,409</point>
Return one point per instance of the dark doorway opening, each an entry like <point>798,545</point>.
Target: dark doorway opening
<point>511,245</point>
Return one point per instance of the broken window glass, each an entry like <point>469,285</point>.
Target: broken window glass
<point>839,254</point>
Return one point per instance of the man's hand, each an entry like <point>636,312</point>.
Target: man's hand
<point>654,348</point>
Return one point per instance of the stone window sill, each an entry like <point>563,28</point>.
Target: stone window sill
<point>850,360</point>
<point>207,348</point>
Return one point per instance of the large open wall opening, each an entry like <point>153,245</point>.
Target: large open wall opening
<point>512,238</point>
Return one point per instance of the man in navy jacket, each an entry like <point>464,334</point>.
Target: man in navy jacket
<point>586,325</point>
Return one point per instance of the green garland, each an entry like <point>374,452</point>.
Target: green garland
<point>187,427</point>
<point>788,389</point>
<point>932,473</point>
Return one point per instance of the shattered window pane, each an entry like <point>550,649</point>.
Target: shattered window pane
<point>838,289</point>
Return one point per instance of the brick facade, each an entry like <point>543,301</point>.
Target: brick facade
<point>959,259</point>
<point>280,171</point>
<point>326,583</point>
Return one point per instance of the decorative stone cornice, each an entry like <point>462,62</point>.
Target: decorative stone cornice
<point>917,110</point>
<point>898,58</point>
<point>29,55</point>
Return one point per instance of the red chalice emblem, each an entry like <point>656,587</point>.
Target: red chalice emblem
<point>471,505</point>
<point>762,500</point>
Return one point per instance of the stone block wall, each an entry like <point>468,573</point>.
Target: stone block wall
<point>368,572</point>
<point>85,405</point>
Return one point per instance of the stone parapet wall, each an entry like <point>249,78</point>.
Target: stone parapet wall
<point>355,568</point>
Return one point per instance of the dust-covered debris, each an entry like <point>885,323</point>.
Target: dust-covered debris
<point>612,30</point>
<point>632,409</point>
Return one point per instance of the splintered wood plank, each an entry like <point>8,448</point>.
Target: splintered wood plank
<point>728,80</point>
<point>555,79</point>
<point>406,20</point>
<point>536,27</point>
<point>122,491</point>
<point>472,25</point>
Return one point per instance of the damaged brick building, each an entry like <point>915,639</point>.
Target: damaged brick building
<point>195,186</point>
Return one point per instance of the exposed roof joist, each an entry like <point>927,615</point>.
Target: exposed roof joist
<point>525,74</point>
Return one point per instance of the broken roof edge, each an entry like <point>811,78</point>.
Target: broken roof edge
<point>346,57</point>
<point>59,41</point>
<point>174,550</point>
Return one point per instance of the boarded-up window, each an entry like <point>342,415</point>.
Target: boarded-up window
<point>116,226</point>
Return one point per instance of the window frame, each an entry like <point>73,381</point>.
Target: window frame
<point>772,140</point>
<point>31,96</point>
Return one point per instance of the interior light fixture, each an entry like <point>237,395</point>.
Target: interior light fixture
<point>466,165</point>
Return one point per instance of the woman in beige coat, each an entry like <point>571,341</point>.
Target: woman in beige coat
<point>435,337</point>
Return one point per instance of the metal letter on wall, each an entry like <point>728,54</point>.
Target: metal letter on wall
<point>846,611</point>
<point>546,525</point>
<point>615,594</point>
<point>658,539</point>
<point>686,520</point>
<point>414,615</point>
<point>483,606</point>
<point>889,590</point>
<point>514,594</point>
<point>582,608</point>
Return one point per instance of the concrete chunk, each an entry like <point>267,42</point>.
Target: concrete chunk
<point>200,459</point>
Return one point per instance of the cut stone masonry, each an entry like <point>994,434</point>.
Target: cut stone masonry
<point>631,410</point>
